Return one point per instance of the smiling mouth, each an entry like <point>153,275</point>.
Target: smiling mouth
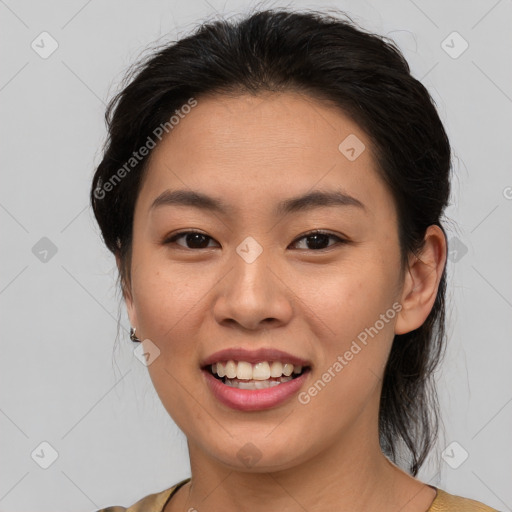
<point>262,375</point>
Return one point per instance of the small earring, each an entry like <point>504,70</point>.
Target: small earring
<point>132,335</point>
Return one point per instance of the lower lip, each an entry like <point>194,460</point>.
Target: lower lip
<point>254,399</point>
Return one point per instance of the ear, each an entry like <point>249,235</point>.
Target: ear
<point>127,295</point>
<point>422,281</point>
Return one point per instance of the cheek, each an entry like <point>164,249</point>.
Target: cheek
<point>169,306</point>
<point>354,322</point>
<point>172,302</point>
<point>355,348</point>
<point>169,311</point>
<point>344,302</point>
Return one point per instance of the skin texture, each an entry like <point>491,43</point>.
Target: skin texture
<point>252,152</point>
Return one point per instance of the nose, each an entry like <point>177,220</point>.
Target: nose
<point>254,295</point>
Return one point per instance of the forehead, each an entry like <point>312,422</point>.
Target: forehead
<point>261,149</point>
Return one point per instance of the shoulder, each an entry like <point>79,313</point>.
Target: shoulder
<point>446,502</point>
<point>151,503</point>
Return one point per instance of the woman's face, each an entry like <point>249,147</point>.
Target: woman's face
<point>253,280</point>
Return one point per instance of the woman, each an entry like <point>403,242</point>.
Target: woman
<point>272,190</point>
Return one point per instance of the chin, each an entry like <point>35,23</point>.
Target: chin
<point>258,455</point>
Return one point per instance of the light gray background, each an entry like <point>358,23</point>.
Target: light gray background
<point>61,381</point>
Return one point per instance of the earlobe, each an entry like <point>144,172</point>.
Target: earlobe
<point>422,281</point>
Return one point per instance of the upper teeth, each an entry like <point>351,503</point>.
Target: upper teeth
<point>259,371</point>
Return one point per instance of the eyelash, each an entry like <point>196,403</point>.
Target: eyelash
<point>305,235</point>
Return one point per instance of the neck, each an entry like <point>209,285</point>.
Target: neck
<point>351,475</point>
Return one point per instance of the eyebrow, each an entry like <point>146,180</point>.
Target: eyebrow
<point>306,202</point>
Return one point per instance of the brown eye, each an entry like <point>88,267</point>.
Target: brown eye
<point>315,240</point>
<point>193,240</point>
<point>319,240</point>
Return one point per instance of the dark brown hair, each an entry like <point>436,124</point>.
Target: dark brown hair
<point>326,57</point>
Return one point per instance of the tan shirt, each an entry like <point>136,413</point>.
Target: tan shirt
<point>443,502</point>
